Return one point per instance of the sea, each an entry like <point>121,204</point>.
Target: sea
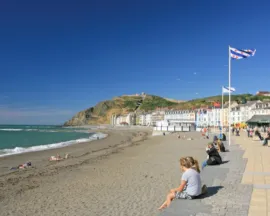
<point>17,139</point>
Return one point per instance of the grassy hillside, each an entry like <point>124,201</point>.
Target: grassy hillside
<point>102,112</point>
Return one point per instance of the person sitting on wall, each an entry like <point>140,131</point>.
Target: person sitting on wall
<point>224,137</point>
<point>220,146</point>
<point>213,156</point>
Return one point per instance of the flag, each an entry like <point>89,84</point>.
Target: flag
<point>227,89</point>
<point>239,54</point>
<point>216,104</point>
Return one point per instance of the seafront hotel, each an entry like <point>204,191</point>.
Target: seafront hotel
<point>190,120</point>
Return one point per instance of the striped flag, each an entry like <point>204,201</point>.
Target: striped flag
<point>227,89</point>
<point>239,54</point>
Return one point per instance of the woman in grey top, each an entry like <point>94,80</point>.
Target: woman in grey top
<point>190,186</point>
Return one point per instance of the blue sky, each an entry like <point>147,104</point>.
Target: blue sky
<point>60,57</point>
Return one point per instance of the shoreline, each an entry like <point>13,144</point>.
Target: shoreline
<point>57,145</point>
<point>95,147</point>
<point>100,173</point>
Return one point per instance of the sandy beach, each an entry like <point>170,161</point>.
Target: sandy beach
<point>127,173</point>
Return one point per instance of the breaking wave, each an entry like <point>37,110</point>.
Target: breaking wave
<point>20,150</point>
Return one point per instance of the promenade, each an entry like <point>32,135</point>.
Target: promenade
<point>230,186</point>
<point>256,174</point>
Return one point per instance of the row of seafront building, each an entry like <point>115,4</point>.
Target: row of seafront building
<point>198,118</point>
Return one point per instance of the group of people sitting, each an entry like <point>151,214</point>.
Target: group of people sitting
<point>191,186</point>
<point>212,150</point>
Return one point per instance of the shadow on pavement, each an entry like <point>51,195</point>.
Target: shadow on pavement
<point>211,191</point>
<point>224,162</point>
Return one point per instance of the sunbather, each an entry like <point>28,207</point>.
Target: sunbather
<point>58,157</point>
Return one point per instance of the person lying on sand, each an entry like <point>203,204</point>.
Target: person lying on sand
<point>190,187</point>
<point>22,166</point>
<point>58,157</point>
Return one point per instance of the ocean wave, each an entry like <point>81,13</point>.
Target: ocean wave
<point>44,130</point>
<point>20,150</point>
<point>10,129</point>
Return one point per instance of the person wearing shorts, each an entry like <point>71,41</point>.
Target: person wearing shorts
<point>190,186</point>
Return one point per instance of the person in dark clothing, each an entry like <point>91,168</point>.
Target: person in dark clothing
<point>248,130</point>
<point>237,131</point>
<point>221,146</point>
<point>265,141</point>
<point>258,134</point>
<point>224,137</point>
<point>213,156</point>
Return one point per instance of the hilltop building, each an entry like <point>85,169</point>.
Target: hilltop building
<point>263,93</point>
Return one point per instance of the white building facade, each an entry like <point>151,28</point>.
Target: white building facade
<point>181,118</point>
<point>128,119</point>
<point>142,119</point>
<point>148,119</point>
<point>202,119</point>
<point>260,108</point>
<point>243,112</point>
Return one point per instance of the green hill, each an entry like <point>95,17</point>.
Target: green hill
<point>102,112</point>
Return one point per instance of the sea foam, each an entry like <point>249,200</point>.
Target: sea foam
<point>20,150</point>
<point>10,129</point>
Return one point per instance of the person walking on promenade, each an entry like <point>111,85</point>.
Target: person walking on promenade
<point>248,130</point>
<point>265,141</point>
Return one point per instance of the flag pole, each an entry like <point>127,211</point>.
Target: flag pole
<point>229,66</point>
<point>222,115</point>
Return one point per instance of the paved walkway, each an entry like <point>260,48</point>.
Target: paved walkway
<point>257,174</point>
<point>228,194</point>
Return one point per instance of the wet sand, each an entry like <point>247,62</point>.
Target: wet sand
<point>104,177</point>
